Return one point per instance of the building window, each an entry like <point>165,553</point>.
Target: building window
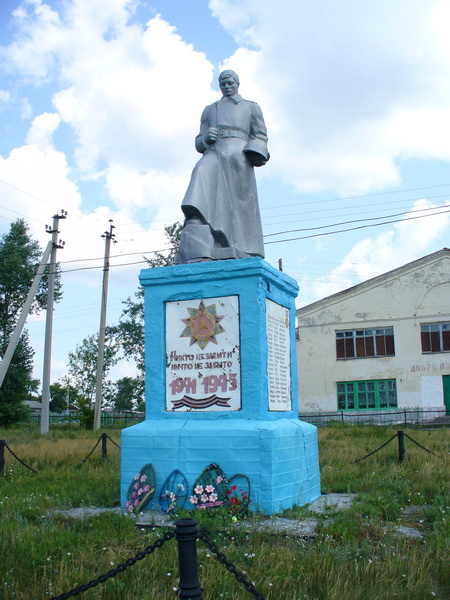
<point>367,395</point>
<point>361,343</point>
<point>435,337</point>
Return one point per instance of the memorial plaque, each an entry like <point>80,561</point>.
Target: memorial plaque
<point>278,357</point>
<point>203,355</point>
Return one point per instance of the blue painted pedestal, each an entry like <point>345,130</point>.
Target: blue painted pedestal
<point>238,432</point>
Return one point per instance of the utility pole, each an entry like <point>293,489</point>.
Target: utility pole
<point>68,393</point>
<point>280,264</point>
<point>49,320</point>
<point>108,235</point>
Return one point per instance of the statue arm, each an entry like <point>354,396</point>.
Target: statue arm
<point>200,144</point>
<point>256,148</point>
<point>257,125</point>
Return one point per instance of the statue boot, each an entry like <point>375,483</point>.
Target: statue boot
<point>196,243</point>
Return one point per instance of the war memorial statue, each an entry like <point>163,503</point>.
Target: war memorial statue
<point>221,373</point>
<point>222,218</point>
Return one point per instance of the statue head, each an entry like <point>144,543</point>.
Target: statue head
<point>228,82</point>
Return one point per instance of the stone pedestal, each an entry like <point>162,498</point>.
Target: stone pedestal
<point>221,383</point>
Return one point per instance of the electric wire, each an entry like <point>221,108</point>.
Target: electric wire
<point>305,237</point>
<point>407,212</point>
<point>284,240</point>
<point>360,209</point>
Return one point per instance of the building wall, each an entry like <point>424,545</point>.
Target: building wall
<point>416,294</point>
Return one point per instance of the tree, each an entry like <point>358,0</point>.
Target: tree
<point>128,394</point>
<point>18,385</point>
<point>19,259</point>
<point>173,235</point>
<point>62,394</point>
<point>83,368</point>
<point>58,398</point>
<point>130,330</point>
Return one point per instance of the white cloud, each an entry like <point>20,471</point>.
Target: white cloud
<point>131,94</point>
<point>41,131</point>
<point>5,97</point>
<point>40,171</point>
<point>129,189</point>
<point>373,256</point>
<point>347,88</point>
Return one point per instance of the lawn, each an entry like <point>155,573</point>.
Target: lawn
<point>356,554</point>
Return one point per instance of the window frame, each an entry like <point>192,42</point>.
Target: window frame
<point>435,337</point>
<point>368,342</point>
<point>367,394</point>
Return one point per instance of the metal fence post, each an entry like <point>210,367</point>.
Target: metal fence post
<point>104,448</point>
<point>186,532</point>
<point>401,446</point>
<point>2,456</point>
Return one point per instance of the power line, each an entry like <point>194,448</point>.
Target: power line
<point>362,208</point>
<point>376,194</point>
<point>162,250</point>
<point>428,187</point>
<point>66,262</point>
<point>361,220</point>
<point>281,241</point>
<point>52,204</point>
<point>101,266</point>
<point>22,215</point>
<point>355,228</point>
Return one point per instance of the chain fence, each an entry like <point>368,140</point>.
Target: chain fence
<point>419,445</point>
<point>186,533</point>
<point>249,586</point>
<point>17,458</point>
<point>91,452</point>
<point>119,569</point>
<point>400,435</point>
<point>103,438</point>
<point>111,440</point>
<point>377,450</point>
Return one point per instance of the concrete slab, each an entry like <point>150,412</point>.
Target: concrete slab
<point>408,532</point>
<point>331,501</point>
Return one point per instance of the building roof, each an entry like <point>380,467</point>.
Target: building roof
<point>33,404</point>
<point>375,281</point>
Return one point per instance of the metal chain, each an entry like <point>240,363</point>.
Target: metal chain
<point>85,459</point>
<point>119,569</point>
<point>111,440</point>
<point>230,567</point>
<point>420,445</point>
<point>371,453</point>
<point>18,459</point>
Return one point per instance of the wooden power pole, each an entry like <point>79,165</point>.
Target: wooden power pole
<point>108,235</point>
<point>49,321</point>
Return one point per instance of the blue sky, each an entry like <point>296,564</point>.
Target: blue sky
<point>100,103</point>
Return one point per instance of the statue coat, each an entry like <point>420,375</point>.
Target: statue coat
<point>222,190</point>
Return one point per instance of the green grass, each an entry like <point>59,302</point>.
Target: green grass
<point>356,554</point>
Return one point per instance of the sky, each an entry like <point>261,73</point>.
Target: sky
<point>100,103</point>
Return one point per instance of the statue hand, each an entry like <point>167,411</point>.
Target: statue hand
<point>211,135</point>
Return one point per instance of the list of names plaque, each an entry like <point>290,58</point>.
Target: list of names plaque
<point>278,357</point>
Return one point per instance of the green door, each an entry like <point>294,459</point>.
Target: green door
<point>446,386</point>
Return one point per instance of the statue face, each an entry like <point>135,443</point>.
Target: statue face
<point>228,86</point>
